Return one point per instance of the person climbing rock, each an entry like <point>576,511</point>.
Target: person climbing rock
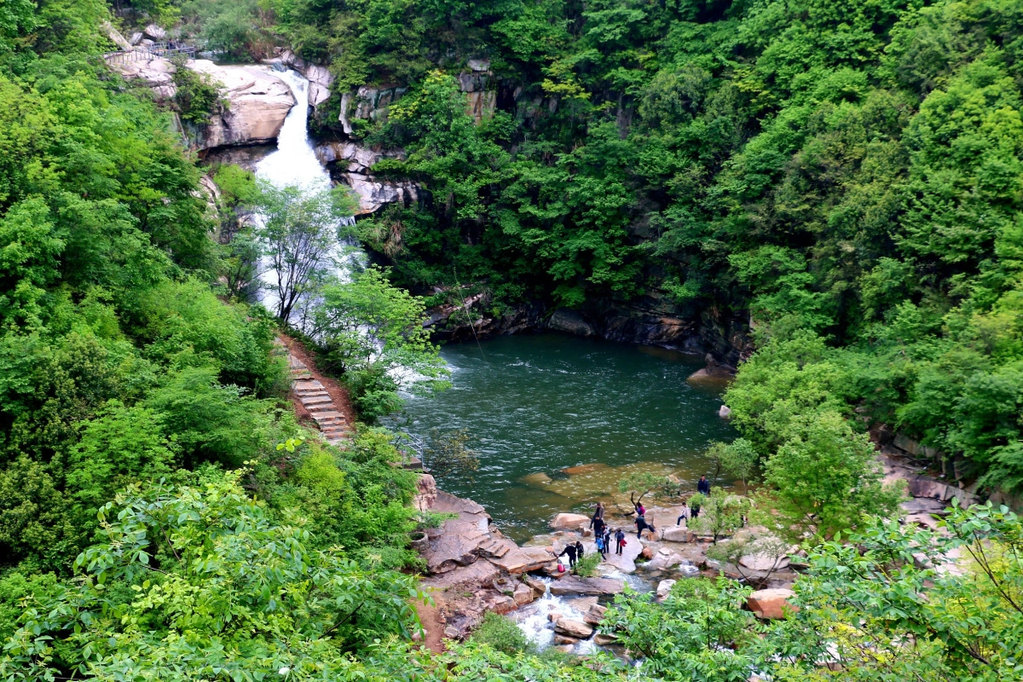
<point>683,515</point>
<point>570,550</point>
<point>619,540</point>
<point>578,549</point>
<point>641,523</point>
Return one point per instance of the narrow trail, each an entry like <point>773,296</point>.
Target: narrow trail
<point>322,402</point>
<point>319,400</point>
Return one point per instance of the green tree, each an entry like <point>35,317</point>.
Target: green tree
<point>374,333</point>
<point>824,480</point>
<point>200,581</point>
<point>738,458</point>
<point>300,235</point>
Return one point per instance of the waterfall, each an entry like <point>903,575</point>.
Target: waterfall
<point>294,163</point>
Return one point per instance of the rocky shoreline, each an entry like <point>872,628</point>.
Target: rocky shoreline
<point>473,568</point>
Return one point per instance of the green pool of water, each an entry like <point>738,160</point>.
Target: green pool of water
<point>558,420</point>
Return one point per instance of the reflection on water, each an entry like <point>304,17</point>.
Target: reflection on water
<point>536,406</point>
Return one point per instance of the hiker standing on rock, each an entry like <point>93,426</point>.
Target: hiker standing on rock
<point>619,540</point>
<point>579,549</point>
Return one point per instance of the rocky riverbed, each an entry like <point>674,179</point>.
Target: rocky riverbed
<point>472,568</point>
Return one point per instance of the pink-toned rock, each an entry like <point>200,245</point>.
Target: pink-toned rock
<point>523,560</point>
<point>524,594</point>
<point>771,604</point>
<point>587,586</point>
<point>562,640</point>
<point>502,604</point>
<point>554,616</point>
<point>602,639</point>
<point>647,553</point>
<point>678,534</point>
<point>573,628</point>
<point>535,584</point>
<point>565,521</point>
<point>595,615</point>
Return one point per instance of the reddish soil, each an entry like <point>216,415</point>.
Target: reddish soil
<point>337,392</point>
<point>433,628</point>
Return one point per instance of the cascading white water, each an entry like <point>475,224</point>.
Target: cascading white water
<point>294,163</point>
<point>534,620</point>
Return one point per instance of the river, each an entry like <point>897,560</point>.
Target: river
<point>557,421</point>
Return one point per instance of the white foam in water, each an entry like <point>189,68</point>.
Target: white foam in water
<point>294,163</point>
<point>534,620</point>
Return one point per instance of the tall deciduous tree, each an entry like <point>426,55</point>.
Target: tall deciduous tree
<point>300,234</point>
<point>374,332</point>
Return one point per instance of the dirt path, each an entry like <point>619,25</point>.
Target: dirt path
<point>319,400</point>
<point>433,626</point>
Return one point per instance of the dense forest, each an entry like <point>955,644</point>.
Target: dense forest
<point>846,174</point>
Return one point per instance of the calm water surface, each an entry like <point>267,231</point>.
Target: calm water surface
<point>558,420</point>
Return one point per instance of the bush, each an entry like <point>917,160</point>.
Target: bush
<point>502,634</point>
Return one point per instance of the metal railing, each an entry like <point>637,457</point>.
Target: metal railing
<point>149,52</point>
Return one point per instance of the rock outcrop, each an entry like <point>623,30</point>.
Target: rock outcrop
<point>350,163</point>
<point>320,78</point>
<point>257,104</point>
<point>771,604</point>
<point>566,521</point>
<point>573,628</point>
<point>600,587</point>
<point>257,101</point>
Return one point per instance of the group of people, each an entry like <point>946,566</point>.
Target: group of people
<point>603,533</point>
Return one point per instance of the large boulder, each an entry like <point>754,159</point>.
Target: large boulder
<point>154,32</point>
<point>257,104</point>
<point>587,586</point>
<point>573,628</point>
<point>771,604</point>
<point>523,560</point>
<point>664,588</point>
<point>156,73</point>
<point>678,534</point>
<point>373,193</point>
<point>569,521</point>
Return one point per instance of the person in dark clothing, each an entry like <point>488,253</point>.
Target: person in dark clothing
<point>640,509</point>
<point>598,526</point>
<point>607,541</point>
<point>641,524</point>
<point>619,540</point>
<point>703,486</point>
<point>579,549</point>
<point>571,552</point>
<point>694,511</point>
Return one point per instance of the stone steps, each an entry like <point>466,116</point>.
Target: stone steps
<point>313,396</point>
